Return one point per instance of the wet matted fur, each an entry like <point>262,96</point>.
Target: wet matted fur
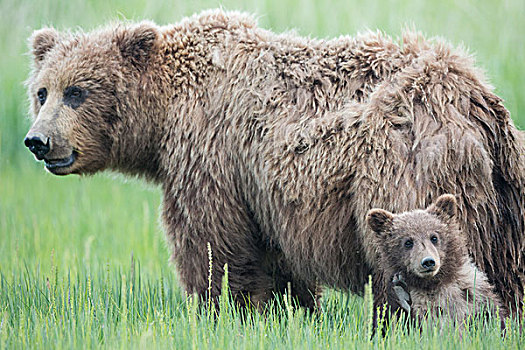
<point>273,147</point>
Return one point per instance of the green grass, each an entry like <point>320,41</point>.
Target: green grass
<point>127,308</point>
<point>67,279</point>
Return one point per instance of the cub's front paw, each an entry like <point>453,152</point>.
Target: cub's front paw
<point>401,293</point>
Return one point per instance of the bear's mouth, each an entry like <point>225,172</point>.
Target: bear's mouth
<point>428,273</point>
<point>54,165</point>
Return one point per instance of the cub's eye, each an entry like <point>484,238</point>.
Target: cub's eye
<point>42,95</point>
<point>434,239</point>
<point>74,96</point>
<point>409,244</point>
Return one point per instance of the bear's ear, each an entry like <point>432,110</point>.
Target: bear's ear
<point>379,220</point>
<point>136,44</point>
<point>445,207</point>
<point>41,42</point>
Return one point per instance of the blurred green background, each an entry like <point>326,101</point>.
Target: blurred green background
<point>88,222</point>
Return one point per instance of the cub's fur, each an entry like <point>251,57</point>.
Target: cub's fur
<point>425,262</point>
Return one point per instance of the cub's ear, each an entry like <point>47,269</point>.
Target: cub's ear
<point>379,220</point>
<point>445,207</point>
<point>137,43</point>
<point>41,42</point>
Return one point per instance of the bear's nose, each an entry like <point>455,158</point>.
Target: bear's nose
<point>428,263</point>
<point>38,144</point>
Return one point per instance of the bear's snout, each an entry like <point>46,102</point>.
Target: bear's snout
<point>47,144</point>
<point>428,266</point>
<point>38,144</point>
<point>428,263</point>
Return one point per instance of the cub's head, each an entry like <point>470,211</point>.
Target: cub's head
<point>425,245</point>
<point>76,90</point>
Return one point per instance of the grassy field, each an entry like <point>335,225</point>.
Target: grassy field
<point>83,261</point>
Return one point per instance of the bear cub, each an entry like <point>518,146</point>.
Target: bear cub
<point>426,266</point>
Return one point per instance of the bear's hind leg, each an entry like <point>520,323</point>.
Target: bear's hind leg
<point>285,282</point>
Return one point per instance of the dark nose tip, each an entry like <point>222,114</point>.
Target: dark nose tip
<point>38,144</point>
<point>428,263</point>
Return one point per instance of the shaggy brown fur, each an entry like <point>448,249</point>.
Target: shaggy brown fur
<point>425,264</point>
<point>273,147</point>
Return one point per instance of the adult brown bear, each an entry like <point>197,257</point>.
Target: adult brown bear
<point>273,147</point>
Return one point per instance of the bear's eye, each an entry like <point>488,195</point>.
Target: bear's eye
<point>74,96</point>
<point>434,239</point>
<point>409,244</point>
<point>42,95</point>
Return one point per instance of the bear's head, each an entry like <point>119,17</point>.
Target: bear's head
<point>78,91</point>
<point>424,245</point>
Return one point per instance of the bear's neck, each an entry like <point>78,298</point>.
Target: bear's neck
<point>139,155</point>
<point>162,109</point>
<point>138,147</point>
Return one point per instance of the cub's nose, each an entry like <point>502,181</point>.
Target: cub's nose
<point>428,263</point>
<point>38,144</point>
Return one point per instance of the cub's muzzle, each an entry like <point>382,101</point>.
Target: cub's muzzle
<point>428,263</point>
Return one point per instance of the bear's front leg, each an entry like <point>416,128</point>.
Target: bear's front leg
<point>201,263</point>
<point>209,226</point>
